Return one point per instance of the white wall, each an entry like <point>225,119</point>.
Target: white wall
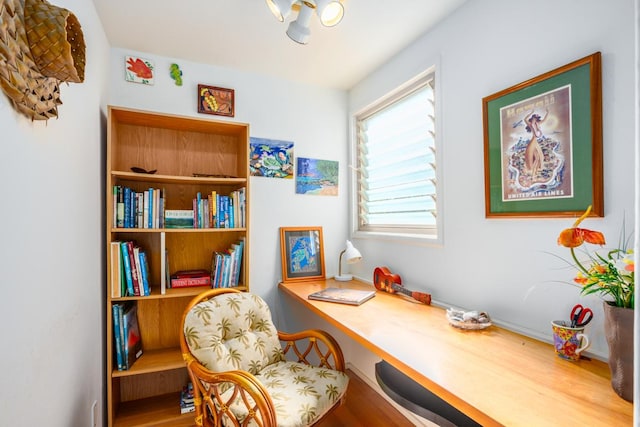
<point>52,303</point>
<point>507,266</point>
<point>314,118</point>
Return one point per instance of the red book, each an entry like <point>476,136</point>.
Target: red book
<point>190,274</point>
<point>134,269</point>
<point>186,282</point>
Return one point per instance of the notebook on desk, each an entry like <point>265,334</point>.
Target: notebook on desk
<point>343,296</point>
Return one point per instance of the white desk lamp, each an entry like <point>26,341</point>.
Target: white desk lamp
<point>351,255</point>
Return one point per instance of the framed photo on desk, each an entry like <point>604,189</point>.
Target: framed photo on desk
<point>302,253</point>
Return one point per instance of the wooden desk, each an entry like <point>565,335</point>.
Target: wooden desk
<point>495,376</point>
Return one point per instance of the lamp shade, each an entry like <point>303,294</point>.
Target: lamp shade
<point>298,30</point>
<point>330,12</point>
<point>351,255</point>
<point>280,8</point>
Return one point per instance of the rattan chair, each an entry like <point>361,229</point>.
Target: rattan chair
<point>247,373</point>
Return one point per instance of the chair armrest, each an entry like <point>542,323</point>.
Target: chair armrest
<point>328,355</point>
<point>219,391</point>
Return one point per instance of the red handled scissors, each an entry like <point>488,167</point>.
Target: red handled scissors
<point>580,316</point>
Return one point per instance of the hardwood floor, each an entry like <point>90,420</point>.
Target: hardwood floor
<point>365,407</point>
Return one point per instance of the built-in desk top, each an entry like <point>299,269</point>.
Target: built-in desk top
<point>495,376</point>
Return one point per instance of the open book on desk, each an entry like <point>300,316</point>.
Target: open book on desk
<point>343,296</point>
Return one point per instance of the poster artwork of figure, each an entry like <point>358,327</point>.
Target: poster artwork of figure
<point>536,147</point>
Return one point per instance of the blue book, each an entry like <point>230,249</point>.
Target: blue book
<point>218,219</point>
<point>238,264</point>
<point>124,251</point>
<point>127,207</point>
<point>217,282</point>
<point>226,265</point>
<point>117,319</point>
<point>144,271</point>
<point>151,213</point>
<point>199,207</point>
<point>232,217</point>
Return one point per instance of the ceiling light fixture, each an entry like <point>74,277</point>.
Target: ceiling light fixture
<point>330,13</point>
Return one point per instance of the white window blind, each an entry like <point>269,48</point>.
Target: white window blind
<point>397,162</point>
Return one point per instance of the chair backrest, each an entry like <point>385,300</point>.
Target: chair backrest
<point>232,331</point>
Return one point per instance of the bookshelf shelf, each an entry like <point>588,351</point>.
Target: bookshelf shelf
<point>177,147</point>
<point>174,179</point>
<point>156,411</point>
<point>154,361</point>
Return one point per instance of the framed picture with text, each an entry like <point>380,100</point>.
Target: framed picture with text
<point>543,144</point>
<point>302,253</point>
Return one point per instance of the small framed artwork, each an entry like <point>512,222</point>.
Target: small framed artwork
<point>302,253</point>
<point>216,100</point>
<point>317,177</point>
<point>138,70</point>
<point>543,144</point>
<point>270,158</point>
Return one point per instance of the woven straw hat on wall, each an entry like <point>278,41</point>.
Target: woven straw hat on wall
<point>40,46</point>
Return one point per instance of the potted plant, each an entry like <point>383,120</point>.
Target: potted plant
<point>610,275</point>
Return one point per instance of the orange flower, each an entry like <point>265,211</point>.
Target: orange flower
<point>574,236</point>
<point>612,274</point>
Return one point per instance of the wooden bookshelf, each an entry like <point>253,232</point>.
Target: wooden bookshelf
<point>176,147</point>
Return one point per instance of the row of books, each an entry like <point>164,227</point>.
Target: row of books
<point>146,209</point>
<point>129,270</point>
<point>126,333</point>
<point>210,211</point>
<point>227,265</point>
<point>138,209</point>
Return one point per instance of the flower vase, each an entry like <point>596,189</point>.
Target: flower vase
<point>618,329</point>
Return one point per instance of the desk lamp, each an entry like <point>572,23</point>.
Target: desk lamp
<point>351,255</point>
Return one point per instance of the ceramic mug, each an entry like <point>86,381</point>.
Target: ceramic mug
<point>569,342</point>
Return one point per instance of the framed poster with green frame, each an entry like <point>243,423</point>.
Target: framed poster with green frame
<point>543,144</point>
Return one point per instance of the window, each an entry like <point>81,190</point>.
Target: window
<point>396,162</point>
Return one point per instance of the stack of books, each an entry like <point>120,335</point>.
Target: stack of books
<point>186,399</point>
<point>190,278</point>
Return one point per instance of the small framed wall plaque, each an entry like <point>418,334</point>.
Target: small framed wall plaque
<point>216,100</point>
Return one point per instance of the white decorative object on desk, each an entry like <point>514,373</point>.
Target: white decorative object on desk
<point>468,319</point>
<point>351,255</point>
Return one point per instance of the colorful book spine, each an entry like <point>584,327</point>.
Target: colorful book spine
<point>151,212</point>
<point>134,269</point>
<point>117,319</point>
<point>144,264</point>
<point>140,210</point>
<point>124,250</point>
<point>114,211</point>
<point>127,207</point>
<point>116,272</point>
<point>145,209</point>
<point>120,208</point>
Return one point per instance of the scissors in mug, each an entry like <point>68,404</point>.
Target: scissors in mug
<point>580,316</point>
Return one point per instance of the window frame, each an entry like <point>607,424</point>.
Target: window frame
<point>400,233</point>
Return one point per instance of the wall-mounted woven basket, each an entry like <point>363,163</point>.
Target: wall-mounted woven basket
<point>40,45</point>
